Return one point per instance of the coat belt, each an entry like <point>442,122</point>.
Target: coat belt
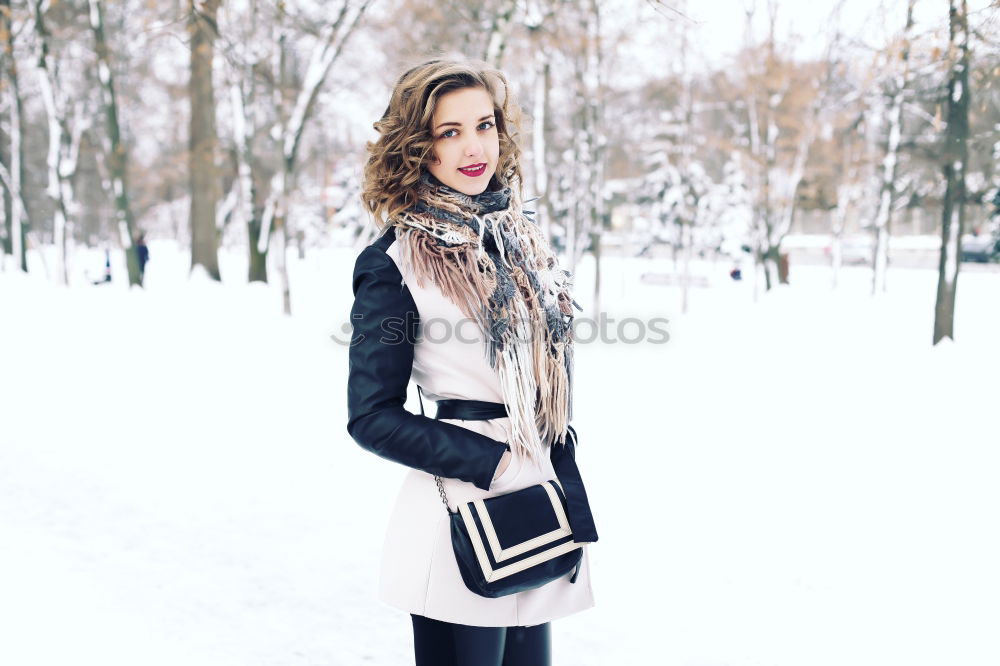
<point>470,410</point>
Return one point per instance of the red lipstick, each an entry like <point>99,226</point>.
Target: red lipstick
<point>474,170</point>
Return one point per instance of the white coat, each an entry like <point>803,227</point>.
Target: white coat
<point>419,573</point>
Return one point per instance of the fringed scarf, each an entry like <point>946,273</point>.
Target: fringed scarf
<point>489,258</point>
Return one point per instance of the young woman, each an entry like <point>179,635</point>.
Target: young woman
<point>463,293</point>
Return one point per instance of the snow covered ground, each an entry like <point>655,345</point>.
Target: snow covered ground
<point>801,481</point>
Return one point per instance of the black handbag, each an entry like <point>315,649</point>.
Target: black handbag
<point>513,542</point>
<point>521,540</point>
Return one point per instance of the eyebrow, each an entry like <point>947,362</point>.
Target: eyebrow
<point>452,122</point>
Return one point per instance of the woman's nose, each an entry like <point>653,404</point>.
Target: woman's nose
<point>473,147</point>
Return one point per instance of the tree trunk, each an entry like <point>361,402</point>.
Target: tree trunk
<point>8,230</point>
<point>278,218</point>
<point>243,94</point>
<point>836,246</point>
<point>769,262</point>
<point>806,137</point>
<point>539,137</point>
<point>782,267</point>
<point>954,156</point>
<point>596,240</point>
<point>258,259</point>
<point>687,236</point>
<point>63,149</point>
<point>598,142</point>
<point>499,31</point>
<point>281,256</point>
<point>247,187</point>
<point>846,195</point>
<point>332,40</point>
<point>8,207</point>
<point>575,210</point>
<point>12,223</point>
<point>205,187</point>
<point>887,195</point>
<point>116,152</point>
<point>17,218</point>
<point>586,186</point>
<point>686,228</point>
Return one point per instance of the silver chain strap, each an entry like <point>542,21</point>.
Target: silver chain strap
<point>437,479</point>
<point>444,497</point>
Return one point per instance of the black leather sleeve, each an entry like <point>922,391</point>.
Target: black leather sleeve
<point>581,520</point>
<point>386,322</point>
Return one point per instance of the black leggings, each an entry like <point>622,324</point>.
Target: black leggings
<point>437,643</point>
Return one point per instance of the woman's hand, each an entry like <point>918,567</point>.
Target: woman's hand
<point>502,467</point>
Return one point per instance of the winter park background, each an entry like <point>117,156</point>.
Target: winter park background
<point>804,473</point>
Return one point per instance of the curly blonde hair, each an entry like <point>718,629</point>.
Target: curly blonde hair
<point>405,142</point>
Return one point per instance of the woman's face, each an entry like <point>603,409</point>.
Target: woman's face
<point>466,142</point>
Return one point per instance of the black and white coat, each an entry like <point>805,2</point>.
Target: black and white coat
<point>402,330</point>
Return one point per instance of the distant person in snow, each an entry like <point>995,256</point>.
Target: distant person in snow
<point>107,268</point>
<point>142,254</point>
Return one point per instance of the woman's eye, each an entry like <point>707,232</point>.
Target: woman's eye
<point>483,126</point>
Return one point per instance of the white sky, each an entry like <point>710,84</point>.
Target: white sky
<point>719,30</point>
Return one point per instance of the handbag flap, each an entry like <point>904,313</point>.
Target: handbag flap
<point>521,517</point>
<point>515,531</point>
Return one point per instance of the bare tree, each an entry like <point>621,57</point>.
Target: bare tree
<point>16,212</point>
<point>203,29</point>
<point>541,127</point>
<point>586,146</point>
<point>890,162</point>
<point>954,158</point>
<point>332,39</point>
<point>245,58</point>
<point>597,139</point>
<point>849,193</point>
<point>114,148</point>
<point>779,167</point>
<point>499,32</point>
<point>847,113</point>
<point>65,132</point>
<point>692,188</point>
<point>538,22</point>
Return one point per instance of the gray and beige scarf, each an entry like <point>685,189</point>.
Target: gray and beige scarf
<point>490,258</point>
